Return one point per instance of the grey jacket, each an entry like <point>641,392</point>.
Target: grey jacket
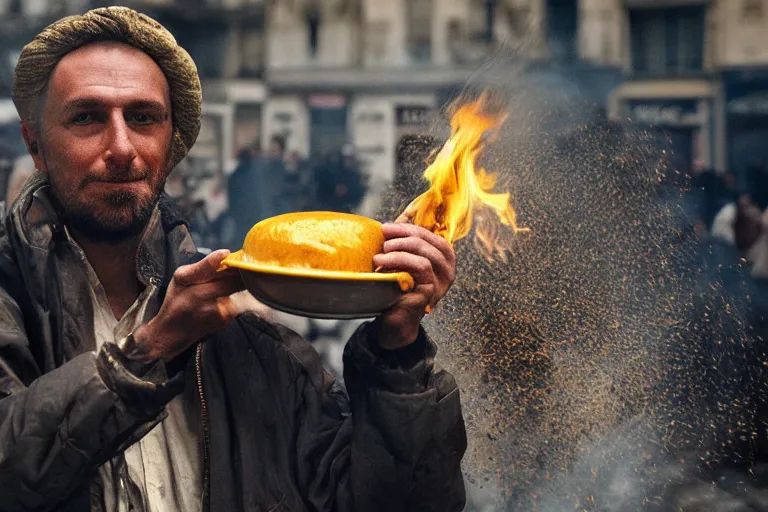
<point>276,431</point>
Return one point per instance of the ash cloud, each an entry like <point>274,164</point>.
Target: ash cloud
<point>609,363</point>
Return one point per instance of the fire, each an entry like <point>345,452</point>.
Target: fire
<point>459,190</point>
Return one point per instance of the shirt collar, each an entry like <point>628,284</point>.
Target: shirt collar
<point>151,253</point>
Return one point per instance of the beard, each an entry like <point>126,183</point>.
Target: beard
<point>114,228</point>
<point>116,217</point>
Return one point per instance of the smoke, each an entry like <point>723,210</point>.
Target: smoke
<point>609,364</point>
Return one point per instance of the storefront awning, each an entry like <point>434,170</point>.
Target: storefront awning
<point>646,91</point>
<point>694,88</point>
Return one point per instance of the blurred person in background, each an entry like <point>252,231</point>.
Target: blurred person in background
<point>705,183</point>
<point>129,380</point>
<point>6,168</point>
<point>298,183</point>
<point>341,185</point>
<point>276,148</point>
<point>725,201</point>
<point>751,235</point>
<point>267,175</point>
<point>241,189</point>
<point>757,183</point>
<point>23,169</point>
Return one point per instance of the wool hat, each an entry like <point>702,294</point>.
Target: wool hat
<point>121,24</point>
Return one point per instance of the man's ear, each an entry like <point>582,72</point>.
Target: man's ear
<point>33,145</point>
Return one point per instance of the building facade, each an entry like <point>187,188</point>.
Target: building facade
<point>742,57</point>
<point>329,73</point>
<point>694,69</point>
<point>226,40</point>
<point>367,72</point>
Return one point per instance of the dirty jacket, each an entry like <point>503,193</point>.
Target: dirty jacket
<point>276,431</point>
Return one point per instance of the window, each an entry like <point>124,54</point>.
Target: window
<point>313,30</point>
<point>252,55</point>
<point>206,42</point>
<point>419,25</point>
<point>562,24</point>
<point>481,21</point>
<point>667,41</point>
<point>375,39</point>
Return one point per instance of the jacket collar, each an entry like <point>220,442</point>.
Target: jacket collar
<point>164,243</point>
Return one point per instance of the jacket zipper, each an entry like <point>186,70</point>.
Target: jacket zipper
<point>203,424</point>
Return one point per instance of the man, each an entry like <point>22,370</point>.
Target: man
<point>340,183</point>
<point>276,148</point>
<point>125,382</point>
<point>267,177</point>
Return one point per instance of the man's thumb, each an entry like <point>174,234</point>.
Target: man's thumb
<point>202,271</point>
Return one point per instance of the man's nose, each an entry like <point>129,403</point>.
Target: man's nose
<point>120,150</point>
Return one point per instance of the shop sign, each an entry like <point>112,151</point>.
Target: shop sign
<point>330,101</point>
<point>754,104</point>
<point>412,115</point>
<point>661,112</point>
<point>370,117</point>
<point>375,150</point>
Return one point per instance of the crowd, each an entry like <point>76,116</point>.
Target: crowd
<point>279,181</point>
<point>264,183</point>
<point>734,213</point>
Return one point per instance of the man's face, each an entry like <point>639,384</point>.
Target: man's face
<point>104,138</point>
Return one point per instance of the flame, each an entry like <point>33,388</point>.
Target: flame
<point>459,190</point>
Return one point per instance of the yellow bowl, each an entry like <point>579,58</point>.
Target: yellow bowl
<point>318,247</point>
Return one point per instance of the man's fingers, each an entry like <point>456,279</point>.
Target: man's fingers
<point>415,302</point>
<point>403,230</point>
<point>418,266</point>
<point>202,271</point>
<point>218,288</point>
<point>226,275</point>
<point>420,247</point>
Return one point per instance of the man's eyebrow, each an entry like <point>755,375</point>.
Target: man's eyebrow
<point>93,103</point>
<point>148,105</point>
<point>83,103</point>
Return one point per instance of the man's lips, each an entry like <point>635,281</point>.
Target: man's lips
<point>121,184</point>
<point>113,181</point>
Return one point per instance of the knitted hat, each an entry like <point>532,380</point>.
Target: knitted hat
<point>39,58</point>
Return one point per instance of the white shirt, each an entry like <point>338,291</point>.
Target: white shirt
<point>722,226</point>
<point>165,465</point>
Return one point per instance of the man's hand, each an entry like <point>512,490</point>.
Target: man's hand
<point>432,263</point>
<point>197,303</point>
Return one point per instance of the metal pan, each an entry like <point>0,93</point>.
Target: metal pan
<point>321,293</point>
